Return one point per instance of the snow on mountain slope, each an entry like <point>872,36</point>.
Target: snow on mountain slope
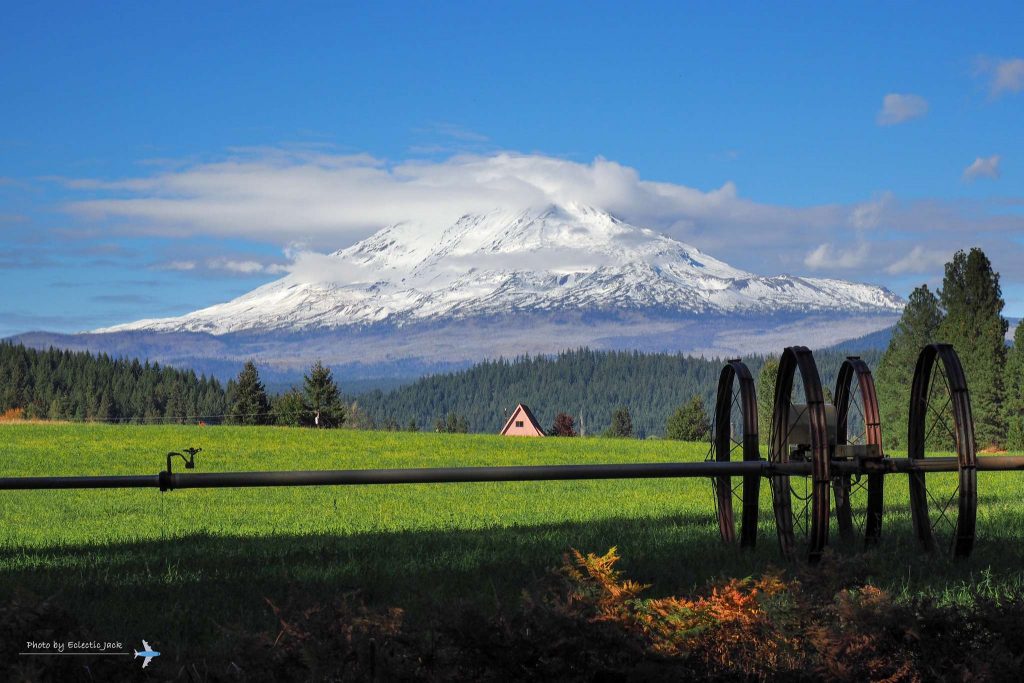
<point>568,257</point>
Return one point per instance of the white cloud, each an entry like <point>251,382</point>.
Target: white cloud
<point>244,267</point>
<point>223,263</point>
<point>897,108</point>
<point>325,201</point>
<point>827,256</point>
<point>177,265</point>
<point>983,167</point>
<point>1005,75</point>
<point>285,196</point>
<point>919,260</point>
<point>868,215</point>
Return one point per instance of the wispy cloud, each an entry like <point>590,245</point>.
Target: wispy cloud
<point>983,167</point>
<point>827,256</point>
<point>1003,75</point>
<point>245,267</point>
<point>455,131</point>
<point>328,201</point>
<point>331,199</point>
<point>868,215</point>
<point>222,264</point>
<point>901,107</point>
<point>175,265</point>
<point>919,260</point>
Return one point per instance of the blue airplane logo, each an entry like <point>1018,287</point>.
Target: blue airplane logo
<point>146,652</point>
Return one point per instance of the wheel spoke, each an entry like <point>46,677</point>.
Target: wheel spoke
<point>942,508</point>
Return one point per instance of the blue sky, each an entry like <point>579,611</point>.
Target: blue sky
<point>147,150</point>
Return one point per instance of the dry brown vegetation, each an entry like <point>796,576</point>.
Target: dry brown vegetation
<point>587,621</point>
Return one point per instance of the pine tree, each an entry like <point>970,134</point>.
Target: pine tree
<point>622,424</point>
<point>249,403</point>
<point>973,324</point>
<point>917,327</point>
<point>766,397</point>
<point>104,409</point>
<point>176,404</point>
<point>1015,392</point>
<point>56,409</point>
<point>323,398</point>
<point>689,422</point>
<point>290,409</point>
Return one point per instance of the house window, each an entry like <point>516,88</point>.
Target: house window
<point>519,423</point>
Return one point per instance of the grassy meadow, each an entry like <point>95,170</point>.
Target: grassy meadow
<point>186,567</point>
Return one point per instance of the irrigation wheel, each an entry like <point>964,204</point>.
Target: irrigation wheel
<point>733,437</point>
<point>807,529</point>
<point>944,506</point>
<point>858,498</point>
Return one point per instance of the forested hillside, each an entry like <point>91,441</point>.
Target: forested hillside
<point>589,385</point>
<point>586,384</point>
<point>73,385</point>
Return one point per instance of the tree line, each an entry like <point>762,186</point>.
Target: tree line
<point>662,395</point>
<point>70,385</point>
<point>625,394</point>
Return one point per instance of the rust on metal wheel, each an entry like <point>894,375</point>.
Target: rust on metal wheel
<point>806,528</point>
<point>940,420</point>
<point>858,498</point>
<point>736,411</point>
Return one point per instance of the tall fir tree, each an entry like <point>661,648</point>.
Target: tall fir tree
<point>766,397</point>
<point>973,324</point>
<point>323,397</point>
<point>622,424</point>
<point>917,327</point>
<point>1015,392</point>
<point>177,408</point>
<point>249,403</point>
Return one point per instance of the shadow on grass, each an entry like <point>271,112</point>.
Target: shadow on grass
<point>188,593</point>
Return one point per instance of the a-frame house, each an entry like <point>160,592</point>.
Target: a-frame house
<point>522,423</point>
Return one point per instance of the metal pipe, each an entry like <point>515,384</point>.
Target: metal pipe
<point>441,475</point>
<point>1000,463</point>
<point>113,482</point>
<point>425,475</point>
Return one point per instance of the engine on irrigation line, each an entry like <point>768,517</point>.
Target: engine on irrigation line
<point>825,460</point>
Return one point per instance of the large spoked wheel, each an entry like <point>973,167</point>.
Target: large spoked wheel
<point>801,503</point>
<point>734,437</point>
<point>944,506</point>
<point>858,498</point>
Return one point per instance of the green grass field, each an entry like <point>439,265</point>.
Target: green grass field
<point>185,567</point>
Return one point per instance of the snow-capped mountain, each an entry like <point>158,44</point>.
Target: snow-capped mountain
<point>567,258</point>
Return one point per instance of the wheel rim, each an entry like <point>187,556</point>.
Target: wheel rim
<point>808,529</point>
<point>858,498</point>
<point>943,506</point>
<point>734,436</point>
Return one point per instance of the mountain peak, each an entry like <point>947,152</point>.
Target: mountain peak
<point>568,257</point>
